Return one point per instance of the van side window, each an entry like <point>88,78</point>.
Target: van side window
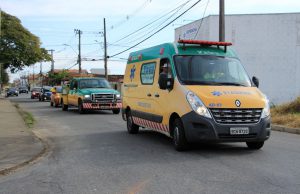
<point>147,73</point>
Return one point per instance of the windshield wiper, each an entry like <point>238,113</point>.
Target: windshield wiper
<point>232,84</point>
<point>201,83</point>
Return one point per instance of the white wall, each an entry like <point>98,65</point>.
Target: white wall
<point>267,44</point>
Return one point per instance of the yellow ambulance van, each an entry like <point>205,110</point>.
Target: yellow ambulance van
<point>194,91</point>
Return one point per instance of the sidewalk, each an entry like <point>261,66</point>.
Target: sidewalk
<point>18,145</point>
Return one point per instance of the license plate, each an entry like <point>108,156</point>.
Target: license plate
<point>104,107</point>
<point>239,131</point>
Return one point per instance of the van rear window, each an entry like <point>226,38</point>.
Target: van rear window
<point>147,73</point>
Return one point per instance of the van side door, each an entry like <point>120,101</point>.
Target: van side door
<point>164,98</point>
<point>146,107</point>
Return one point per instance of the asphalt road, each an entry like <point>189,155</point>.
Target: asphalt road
<point>92,153</point>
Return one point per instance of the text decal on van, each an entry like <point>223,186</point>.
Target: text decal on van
<point>132,72</point>
<point>218,93</point>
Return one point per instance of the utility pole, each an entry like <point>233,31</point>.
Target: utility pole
<point>52,60</point>
<point>41,74</point>
<point>79,32</point>
<point>105,50</point>
<point>33,76</point>
<point>222,21</point>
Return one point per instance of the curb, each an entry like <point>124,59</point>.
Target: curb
<point>285,129</point>
<point>33,160</point>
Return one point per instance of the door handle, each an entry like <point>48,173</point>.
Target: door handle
<point>149,95</point>
<point>156,95</point>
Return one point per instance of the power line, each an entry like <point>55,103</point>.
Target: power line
<point>151,22</point>
<point>157,30</point>
<point>160,24</point>
<point>72,66</point>
<point>201,20</point>
<point>129,16</point>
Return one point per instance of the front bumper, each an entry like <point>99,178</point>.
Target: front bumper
<point>199,128</point>
<point>101,106</point>
<point>47,97</point>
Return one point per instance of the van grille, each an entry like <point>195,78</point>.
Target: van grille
<point>236,116</point>
<point>103,98</point>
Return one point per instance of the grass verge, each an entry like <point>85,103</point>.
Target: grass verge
<point>287,114</point>
<point>27,116</point>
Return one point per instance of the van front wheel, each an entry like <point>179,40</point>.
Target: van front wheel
<point>255,145</point>
<point>116,111</point>
<point>179,140</point>
<point>131,127</point>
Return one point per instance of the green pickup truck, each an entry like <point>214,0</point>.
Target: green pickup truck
<point>91,93</point>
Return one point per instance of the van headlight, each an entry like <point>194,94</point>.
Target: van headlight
<point>197,105</point>
<point>87,96</point>
<point>266,110</point>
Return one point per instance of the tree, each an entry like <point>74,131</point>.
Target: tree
<point>4,77</point>
<point>56,78</point>
<point>19,47</point>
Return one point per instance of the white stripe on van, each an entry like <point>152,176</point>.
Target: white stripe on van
<point>175,47</point>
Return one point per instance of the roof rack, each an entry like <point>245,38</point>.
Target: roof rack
<point>205,42</point>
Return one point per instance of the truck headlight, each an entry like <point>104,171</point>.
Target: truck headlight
<point>197,105</point>
<point>87,96</point>
<point>266,110</point>
<point>118,96</point>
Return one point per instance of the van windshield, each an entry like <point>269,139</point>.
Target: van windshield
<point>210,70</point>
<point>93,83</point>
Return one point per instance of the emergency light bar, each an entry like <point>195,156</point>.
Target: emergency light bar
<point>205,42</point>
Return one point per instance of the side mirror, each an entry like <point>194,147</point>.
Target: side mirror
<point>255,81</point>
<point>164,82</point>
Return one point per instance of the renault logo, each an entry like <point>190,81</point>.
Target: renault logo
<point>237,103</point>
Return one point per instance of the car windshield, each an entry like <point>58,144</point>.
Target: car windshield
<point>12,89</point>
<point>58,89</point>
<point>93,83</point>
<point>46,89</point>
<point>210,70</point>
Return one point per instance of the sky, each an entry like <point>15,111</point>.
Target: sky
<point>54,21</point>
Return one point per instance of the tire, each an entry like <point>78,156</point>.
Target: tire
<point>51,103</point>
<point>131,127</point>
<point>179,141</point>
<point>64,107</point>
<point>116,111</point>
<point>80,107</point>
<point>256,145</point>
<point>40,99</point>
<point>31,97</point>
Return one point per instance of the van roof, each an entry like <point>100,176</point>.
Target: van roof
<point>170,49</point>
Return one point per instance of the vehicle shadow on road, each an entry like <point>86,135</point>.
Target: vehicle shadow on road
<point>201,147</point>
<point>154,146</point>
